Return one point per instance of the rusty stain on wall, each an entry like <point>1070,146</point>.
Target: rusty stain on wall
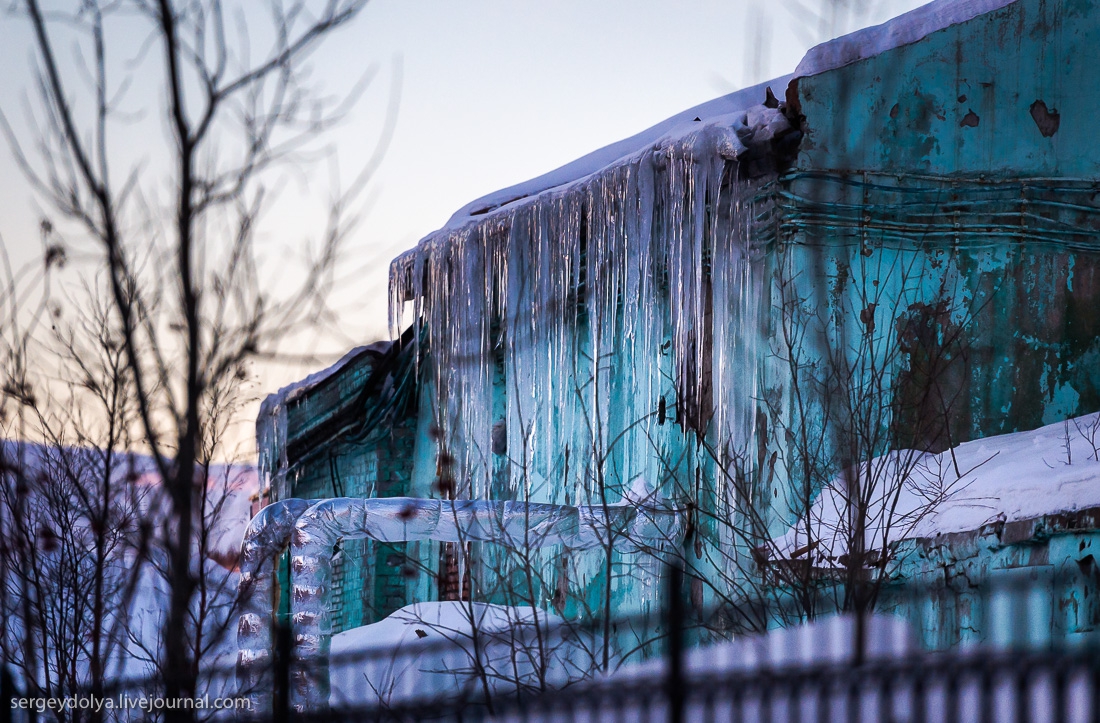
<point>1047,120</point>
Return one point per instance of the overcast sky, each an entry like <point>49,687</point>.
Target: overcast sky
<point>491,92</point>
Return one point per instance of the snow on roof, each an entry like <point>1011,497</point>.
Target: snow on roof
<point>296,389</point>
<point>714,112</point>
<point>865,43</point>
<point>902,30</point>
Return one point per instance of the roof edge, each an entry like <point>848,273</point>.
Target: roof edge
<point>905,29</point>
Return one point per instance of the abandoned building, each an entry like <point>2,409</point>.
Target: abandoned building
<point>893,251</point>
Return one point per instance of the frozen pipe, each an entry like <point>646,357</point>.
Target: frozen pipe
<point>398,519</point>
<point>268,534</point>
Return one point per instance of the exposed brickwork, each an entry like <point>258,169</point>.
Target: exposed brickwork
<point>370,580</point>
<point>448,574</point>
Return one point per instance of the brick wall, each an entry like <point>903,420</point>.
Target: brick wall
<point>370,579</point>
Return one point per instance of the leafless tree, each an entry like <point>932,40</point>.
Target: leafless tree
<point>176,241</point>
<point>70,512</point>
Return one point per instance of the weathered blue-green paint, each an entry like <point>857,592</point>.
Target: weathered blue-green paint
<point>969,158</point>
<point>1021,290</point>
<point>909,109</point>
<point>1029,582</point>
<point>1004,181</point>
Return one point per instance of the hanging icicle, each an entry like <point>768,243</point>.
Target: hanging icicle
<point>598,299</point>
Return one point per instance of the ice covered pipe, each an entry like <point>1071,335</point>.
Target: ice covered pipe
<point>624,525</point>
<point>268,534</point>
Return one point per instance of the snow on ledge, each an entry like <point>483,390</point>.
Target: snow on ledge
<point>719,111</point>
<point>1006,478</point>
<point>292,391</point>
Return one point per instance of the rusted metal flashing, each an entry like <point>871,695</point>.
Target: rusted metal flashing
<point>1035,530</point>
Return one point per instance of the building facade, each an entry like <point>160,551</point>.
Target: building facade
<point>890,253</point>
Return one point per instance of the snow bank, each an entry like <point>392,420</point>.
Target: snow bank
<point>426,651</point>
<point>1007,478</point>
<point>1020,476</point>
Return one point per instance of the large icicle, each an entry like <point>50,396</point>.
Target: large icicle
<point>598,309</point>
<point>268,534</point>
<point>271,459</point>
<point>397,519</point>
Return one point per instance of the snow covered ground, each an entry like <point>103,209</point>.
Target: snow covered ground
<point>426,651</point>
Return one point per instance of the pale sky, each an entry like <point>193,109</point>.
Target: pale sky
<point>491,92</point>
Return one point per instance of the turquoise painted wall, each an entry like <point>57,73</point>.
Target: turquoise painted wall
<point>953,184</point>
<point>943,146</point>
<point>959,102</point>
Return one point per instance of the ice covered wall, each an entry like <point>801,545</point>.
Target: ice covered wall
<point>630,316</point>
<point>975,140</point>
<point>595,324</point>
<point>634,314</point>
